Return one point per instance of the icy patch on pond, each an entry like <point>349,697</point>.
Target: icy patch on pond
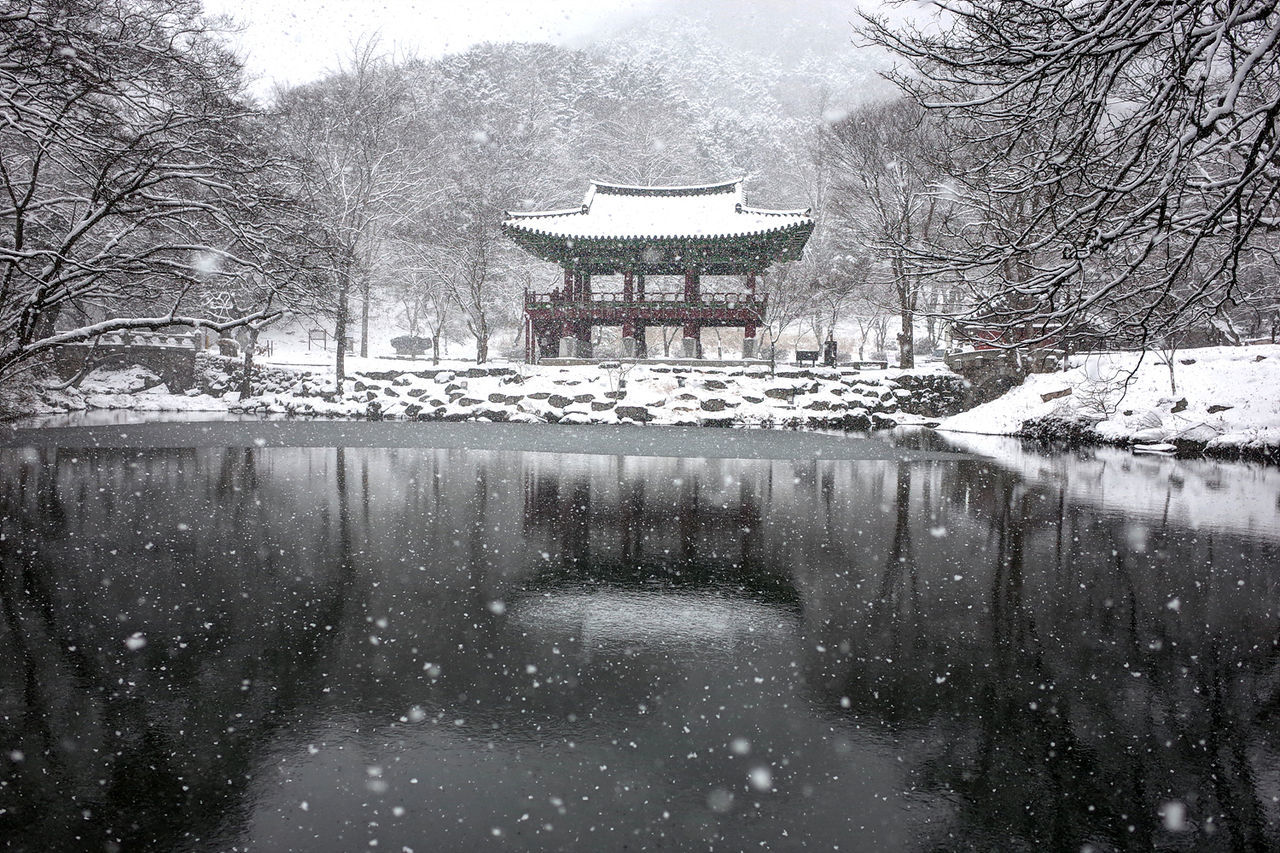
<point>620,618</point>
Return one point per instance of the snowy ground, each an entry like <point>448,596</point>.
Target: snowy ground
<point>1226,398</point>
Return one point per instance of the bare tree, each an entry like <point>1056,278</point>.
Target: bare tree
<point>887,197</point>
<point>409,271</point>
<point>1105,136</point>
<point>132,173</point>
<point>348,128</point>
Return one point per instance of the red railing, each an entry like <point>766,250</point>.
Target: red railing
<point>727,299</point>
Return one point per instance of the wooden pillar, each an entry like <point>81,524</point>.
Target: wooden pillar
<point>642,345</point>
<point>751,284</point>
<point>628,338</point>
<point>584,339</point>
<point>628,279</point>
<point>585,288</point>
<point>693,340</point>
<point>692,329</point>
<point>567,293</point>
<point>568,340</point>
<point>691,286</point>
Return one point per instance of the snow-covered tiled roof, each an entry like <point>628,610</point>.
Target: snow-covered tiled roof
<point>618,211</point>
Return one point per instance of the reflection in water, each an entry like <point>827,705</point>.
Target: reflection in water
<point>317,649</point>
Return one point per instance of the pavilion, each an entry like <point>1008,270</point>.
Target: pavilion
<point>635,231</point>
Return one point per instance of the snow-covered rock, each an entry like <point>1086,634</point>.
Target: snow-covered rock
<point>1221,399</point>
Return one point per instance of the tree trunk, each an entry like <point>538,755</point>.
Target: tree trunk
<point>907,341</point>
<point>47,323</point>
<point>340,332</point>
<point>482,341</point>
<point>250,348</point>
<point>435,349</point>
<point>364,317</point>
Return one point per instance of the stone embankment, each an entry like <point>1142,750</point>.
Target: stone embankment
<point>747,395</point>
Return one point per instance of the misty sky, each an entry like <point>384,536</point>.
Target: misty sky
<point>296,41</point>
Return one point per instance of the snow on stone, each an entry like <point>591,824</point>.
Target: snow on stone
<point>104,380</point>
<point>1225,397</point>
<point>605,393</point>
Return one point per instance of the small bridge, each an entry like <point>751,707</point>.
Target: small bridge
<point>991,372</point>
<point>169,355</point>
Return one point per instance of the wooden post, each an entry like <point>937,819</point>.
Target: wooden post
<point>628,338</point>
<point>693,340</point>
<point>642,331</point>
<point>692,330</point>
<point>691,293</point>
<point>751,284</point>
<point>628,279</point>
<point>568,340</point>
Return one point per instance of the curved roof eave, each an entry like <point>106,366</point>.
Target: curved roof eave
<point>758,232</point>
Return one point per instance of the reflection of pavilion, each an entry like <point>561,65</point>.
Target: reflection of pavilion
<point>639,231</point>
<point>635,531</point>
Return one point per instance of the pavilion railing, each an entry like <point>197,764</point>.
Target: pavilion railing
<point>726,299</point>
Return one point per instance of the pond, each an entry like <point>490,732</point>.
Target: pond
<point>383,637</point>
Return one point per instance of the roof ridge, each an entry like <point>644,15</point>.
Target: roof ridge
<point>727,186</point>
<point>536,214</point>
<point>766,211</point>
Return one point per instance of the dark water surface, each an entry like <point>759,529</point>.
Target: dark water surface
<point>827,644</point>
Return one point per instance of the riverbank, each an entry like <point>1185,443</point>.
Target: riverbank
<point>1217,401</point>
<point>604,393</point>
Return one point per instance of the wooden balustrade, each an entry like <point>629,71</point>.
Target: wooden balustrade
<point>727,298</point>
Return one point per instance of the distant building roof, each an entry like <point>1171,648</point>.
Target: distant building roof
<point>617,211</point>
<point>696,216</point>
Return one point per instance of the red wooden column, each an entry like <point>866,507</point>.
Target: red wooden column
<point>642,331</point>
<point>691,286</point>
<point>584,326</point>
<point>692,328</point>
<point>567,293</point>
<point>628,337</point>
<point>628,319</point>
<point>568,340</point>
<point>749,344</point>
